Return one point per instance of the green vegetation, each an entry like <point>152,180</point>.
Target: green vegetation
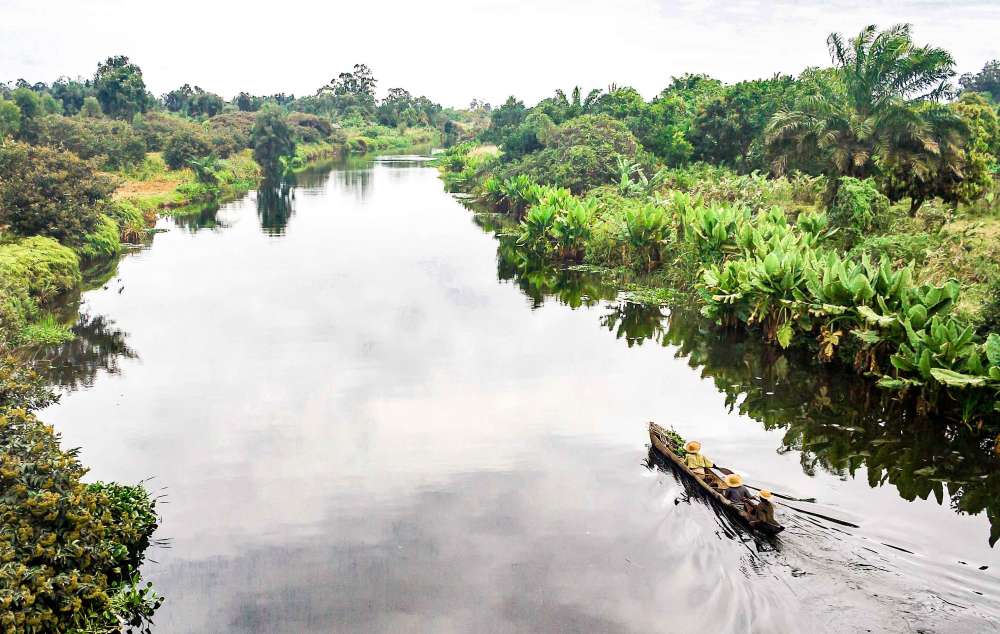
<point>71,551</point>
<point>871,242</point>
<point>273,144</point>
<point>49,192</point>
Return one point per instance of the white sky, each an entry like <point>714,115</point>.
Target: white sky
<point>455,50</point>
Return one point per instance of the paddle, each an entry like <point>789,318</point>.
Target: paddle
<point>783,496</point>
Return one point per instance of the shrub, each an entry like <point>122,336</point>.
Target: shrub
<point>45,191</point>
<point>858,205</point>
<point>130,221</point>
<point>185,145</point>
<point>157,127</point>
<point>46,267</point>
<point>114,143</point>
<point>308,128</point>
<point>62,545</point>
<point>581,154</point>
<point>21,387</point>
<point>230,132</point>
<point>103,242</point>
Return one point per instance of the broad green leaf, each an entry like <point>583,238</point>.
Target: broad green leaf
<point>917,315</point>
<point>957,379</point>
<point>892,383</point>
<point>784,335</point>
<point>872,317</point>
<point>868,336</point>
<point>993,349</point>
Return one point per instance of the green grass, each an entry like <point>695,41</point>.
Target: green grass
<point>33,272</point>
<point>103,242</point>
<point>47,331</point>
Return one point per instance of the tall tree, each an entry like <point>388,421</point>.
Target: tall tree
<point>986,80</point>
<point>119,88</point>
<point>884,105</point>
<point>273,142</point>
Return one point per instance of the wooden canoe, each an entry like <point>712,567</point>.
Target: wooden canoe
<point>659,438</point>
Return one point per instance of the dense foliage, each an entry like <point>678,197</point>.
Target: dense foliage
<point>69,552</point>
<point>273,142</point>
<point>50,192</point>
<point>120,89</point>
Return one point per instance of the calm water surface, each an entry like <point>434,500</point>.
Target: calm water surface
<point>363,421</point>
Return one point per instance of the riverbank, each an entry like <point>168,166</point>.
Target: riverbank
<point>768,256</point>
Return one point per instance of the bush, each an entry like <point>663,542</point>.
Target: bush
<point>858,206</point>
<point>51,192</point>
<point>103,242</point>
<point>129,219</point>
<point>114,143</point>
<point>157,127</point>
<point>230,132</point>
<point>63,544</point>
<point>47,268</point>
<point>581,154</point>
<point>308,128</point>
<point>184,145</point>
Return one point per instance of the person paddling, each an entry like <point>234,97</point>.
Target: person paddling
<point>764,510</point>
<point>735,492</point>
<point>693,458</point>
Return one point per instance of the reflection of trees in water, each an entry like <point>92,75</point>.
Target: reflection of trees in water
<point>842,423</point>
<point>635,323</point>
<point>275,206</point>
<point>201,217</point>
<point>355,181</point>
<point>538,281</point>
<point>837,420</point>
<point>98,345</point>
<point>316,176</point>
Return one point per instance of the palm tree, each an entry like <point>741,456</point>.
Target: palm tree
<point>880,108</point>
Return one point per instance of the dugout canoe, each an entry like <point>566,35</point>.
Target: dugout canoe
<point>658,436</point>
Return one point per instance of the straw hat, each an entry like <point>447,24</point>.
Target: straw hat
<point>733,480</point>
<point>692,446</point>
<point>765,494</point>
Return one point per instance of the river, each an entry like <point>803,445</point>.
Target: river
<point>363,418</point>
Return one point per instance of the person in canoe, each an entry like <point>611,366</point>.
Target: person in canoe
<point>693,458</point>
<point>759,510</point>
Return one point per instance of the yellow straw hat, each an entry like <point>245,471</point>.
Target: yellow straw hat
<point>692,446</point>
<point>765,494</point>
<point>733,480</point>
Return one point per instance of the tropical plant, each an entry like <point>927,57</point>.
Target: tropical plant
<point>644,230</point>
<point>879,109</point>
<point>272,140</point>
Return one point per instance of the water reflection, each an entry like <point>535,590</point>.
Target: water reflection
<point>540,282</point>
<point>357,181</point>
<point>839,422</point>
<point>99,346</point>
<point>199,217</point>
<point>275,205</point>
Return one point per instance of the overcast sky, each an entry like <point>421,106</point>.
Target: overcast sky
<point>455,50</point>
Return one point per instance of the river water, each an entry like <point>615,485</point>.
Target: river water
<point>364,418</point>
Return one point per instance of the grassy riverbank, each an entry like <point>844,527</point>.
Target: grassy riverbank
<point>900,303</point>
